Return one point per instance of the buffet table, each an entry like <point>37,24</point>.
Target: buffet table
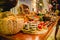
<point>22,36</point>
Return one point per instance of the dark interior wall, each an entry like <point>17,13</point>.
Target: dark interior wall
<point>58,1</point>
<point>6,5</point>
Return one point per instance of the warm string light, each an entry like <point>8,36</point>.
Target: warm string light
<point>41,4</point>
